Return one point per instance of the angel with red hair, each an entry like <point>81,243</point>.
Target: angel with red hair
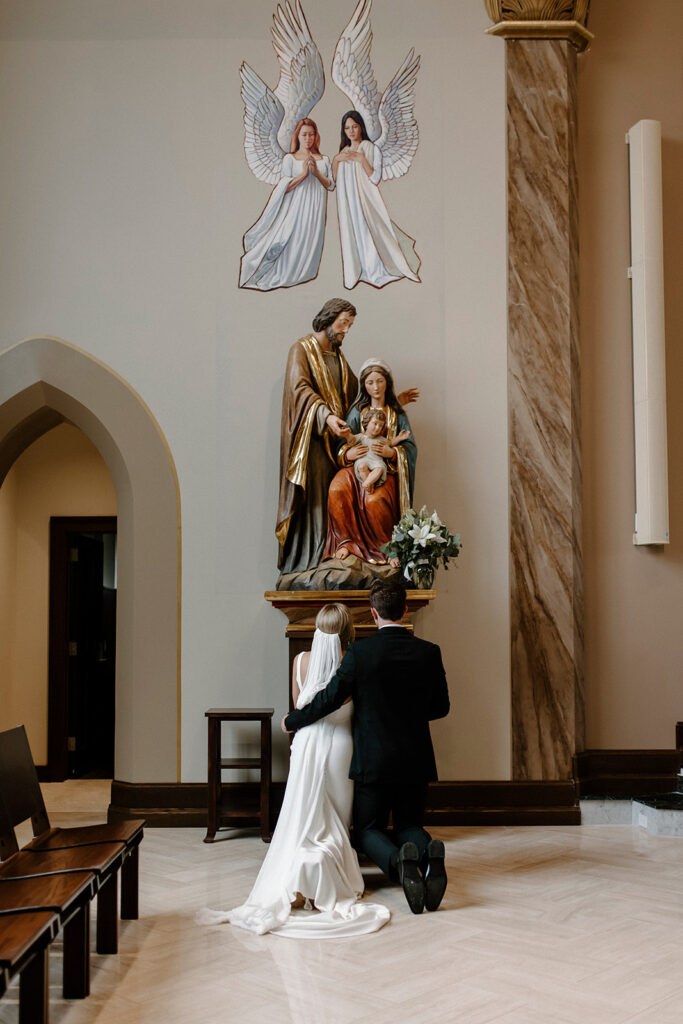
<point>284,247</point>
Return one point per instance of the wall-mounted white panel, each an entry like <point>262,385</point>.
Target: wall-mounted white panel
<point>649,362</point>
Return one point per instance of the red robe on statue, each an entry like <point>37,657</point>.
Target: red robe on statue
<point>360,521</point>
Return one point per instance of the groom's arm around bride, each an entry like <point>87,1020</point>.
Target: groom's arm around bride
<point>398,684</point>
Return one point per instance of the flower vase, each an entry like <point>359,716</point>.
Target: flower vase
<point>423,577</point>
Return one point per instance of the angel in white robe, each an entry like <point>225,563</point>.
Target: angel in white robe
<point>378,141</point>
<point>284,246</point>
<point>374,248</point>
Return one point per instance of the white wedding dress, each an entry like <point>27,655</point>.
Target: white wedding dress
<point>310,852</point>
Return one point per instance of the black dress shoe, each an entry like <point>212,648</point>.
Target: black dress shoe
<point>435,876</point>
<point>410,878</point>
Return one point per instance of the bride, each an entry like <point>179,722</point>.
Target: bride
<point>310,860</point>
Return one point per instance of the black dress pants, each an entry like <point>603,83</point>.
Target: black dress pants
<point>372,805</point>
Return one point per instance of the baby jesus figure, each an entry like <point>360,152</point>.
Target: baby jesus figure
<point>371,468</point>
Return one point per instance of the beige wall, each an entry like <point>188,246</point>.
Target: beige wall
<point>634,595</point>
<point>61,474</point>
<point>128,195</point>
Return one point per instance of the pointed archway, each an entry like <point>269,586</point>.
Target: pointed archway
<point>42,382</point>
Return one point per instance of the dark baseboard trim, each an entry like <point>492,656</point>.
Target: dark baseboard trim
<point>176,805</point>
<point>625,773</point>
<point>534,802</point>
<point>182,804</point>
<point>597,773</point>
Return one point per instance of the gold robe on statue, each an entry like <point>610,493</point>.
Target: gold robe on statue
<point>316,384</point>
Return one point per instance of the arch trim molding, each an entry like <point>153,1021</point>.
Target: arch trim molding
<point>45,380</point>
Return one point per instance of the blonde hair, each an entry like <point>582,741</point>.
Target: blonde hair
<point>336,618</point>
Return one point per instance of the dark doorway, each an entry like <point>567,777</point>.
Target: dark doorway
<point>81,701</point>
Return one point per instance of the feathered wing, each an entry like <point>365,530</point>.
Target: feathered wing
<point>263,114</point>
<point>400,135</point>
<point>302,79</point>
<point>271,116</point>
<point>352,69</point>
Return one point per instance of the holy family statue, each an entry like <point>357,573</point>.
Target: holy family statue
<point>347,461</point>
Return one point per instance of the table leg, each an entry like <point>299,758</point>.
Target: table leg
<point>266,761</point>
<point>213,779</point>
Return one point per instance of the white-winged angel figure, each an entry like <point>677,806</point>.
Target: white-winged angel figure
<point>282,146</point>
<point>379,138</point>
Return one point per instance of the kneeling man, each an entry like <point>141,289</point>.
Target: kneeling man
<point>398,685</point>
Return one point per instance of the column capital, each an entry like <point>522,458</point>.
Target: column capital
<point>540,19</point>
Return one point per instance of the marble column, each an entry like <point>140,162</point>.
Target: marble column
<point>546,586</point>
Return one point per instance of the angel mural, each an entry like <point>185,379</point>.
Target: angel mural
<point>282,144</point>
<point>379,138</point>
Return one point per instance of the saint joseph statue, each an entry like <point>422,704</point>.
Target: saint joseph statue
<point>318,391</point>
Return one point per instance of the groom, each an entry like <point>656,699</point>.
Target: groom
<point>398,685</point>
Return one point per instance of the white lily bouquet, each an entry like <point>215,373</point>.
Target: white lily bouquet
<point>420,541</point>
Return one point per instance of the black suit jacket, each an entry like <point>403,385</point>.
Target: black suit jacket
<point>398,685</point>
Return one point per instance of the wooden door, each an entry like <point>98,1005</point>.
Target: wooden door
<point>82,648</point>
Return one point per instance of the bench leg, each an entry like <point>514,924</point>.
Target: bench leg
<point>34,991</point>
<point>76,983</point>
<point>129,886</point>
<point>107,940</point>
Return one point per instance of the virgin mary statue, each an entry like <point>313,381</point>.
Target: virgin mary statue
<point>360,521</point>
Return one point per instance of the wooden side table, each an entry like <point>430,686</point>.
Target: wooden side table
<point>220,814</point>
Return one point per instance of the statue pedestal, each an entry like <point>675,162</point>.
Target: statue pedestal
<point>302,606</point>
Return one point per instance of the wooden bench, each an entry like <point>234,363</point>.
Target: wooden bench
<point>68,896</point>
<point>24,942</point>
<point>102,862</point>
<point>59,872</point>
<point>128,833</point>
<point>23,799</point>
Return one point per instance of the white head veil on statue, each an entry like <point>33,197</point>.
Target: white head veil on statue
<point>366,366</point>
<point>374,362</point>
<point>326,655</point>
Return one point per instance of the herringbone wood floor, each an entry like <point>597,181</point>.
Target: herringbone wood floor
<point>557,925</point>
